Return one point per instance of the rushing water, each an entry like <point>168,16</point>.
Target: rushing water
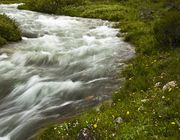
<point>62,65</point>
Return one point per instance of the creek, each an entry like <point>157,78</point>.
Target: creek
<point>62,66</point>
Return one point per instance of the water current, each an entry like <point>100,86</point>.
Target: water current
<point>62,65</point>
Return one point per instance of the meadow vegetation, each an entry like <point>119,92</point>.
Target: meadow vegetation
<point>147,105</point>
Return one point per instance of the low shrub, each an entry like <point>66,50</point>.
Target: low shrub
<point>167,30</point>
<point>2,41</point>
<point>9,31</point>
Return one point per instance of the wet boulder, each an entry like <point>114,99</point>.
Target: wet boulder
<point>29,34</point>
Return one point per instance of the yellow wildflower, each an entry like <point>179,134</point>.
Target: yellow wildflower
<point>127,113</point>
<point>95,125</point>
<point>173,123</point>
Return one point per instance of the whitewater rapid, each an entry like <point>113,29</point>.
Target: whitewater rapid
<point>62,65</point>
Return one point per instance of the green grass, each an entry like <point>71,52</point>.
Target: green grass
<point>9,30</point>
<point>12,1</point>
<point>147,111</point>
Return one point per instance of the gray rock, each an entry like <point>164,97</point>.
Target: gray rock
<point>118,120</point>
<point>85,134</point>
<point>29,35</point>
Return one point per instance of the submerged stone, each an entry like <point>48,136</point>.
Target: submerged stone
<point>29,35</point>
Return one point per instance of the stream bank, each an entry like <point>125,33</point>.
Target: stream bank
<point>9,31</point>
<point>146,108</point>
<point>62,65</point>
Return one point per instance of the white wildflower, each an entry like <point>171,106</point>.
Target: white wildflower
<point>171,84</point>
<point>144,100</point>
<point>158,84</point>
<point>163,97</point>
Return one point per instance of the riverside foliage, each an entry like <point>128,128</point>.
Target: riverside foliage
<point>145,108</point>
<point>9,30</point>
<point>167,30</point>
<point>51,6</point>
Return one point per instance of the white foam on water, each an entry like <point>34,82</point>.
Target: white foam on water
<point>5,138</point>
<point>95,80</point>
<point>60,61</point>
<point>36,93</point>
<point>57,22</point>
<point>3,56</point>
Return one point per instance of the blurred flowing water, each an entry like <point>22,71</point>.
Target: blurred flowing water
<point>62,65</point>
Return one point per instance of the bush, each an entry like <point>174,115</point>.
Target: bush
<point>2,41</point>
<point>167,30</point>
<point>48,6</point>
<point>8,30</point>
<point>51,6</point>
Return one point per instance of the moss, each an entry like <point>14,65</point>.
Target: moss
<point>9,30</point>
<point>147,110</point>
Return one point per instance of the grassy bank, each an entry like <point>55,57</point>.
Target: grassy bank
<point>12,1</point>
<point>147,106</point>
<point>9,31</point>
